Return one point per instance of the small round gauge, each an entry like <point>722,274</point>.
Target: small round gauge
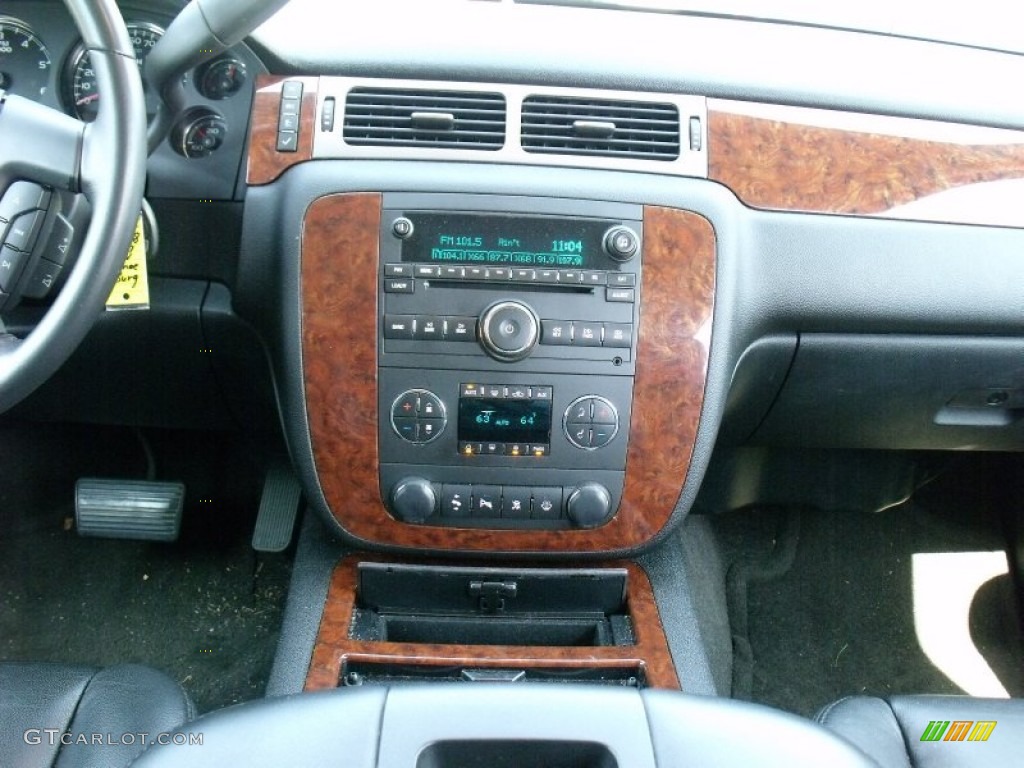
<point>221,78</point>
<point>80,87</point>
<point>24,60</point>
<point>199,134</point>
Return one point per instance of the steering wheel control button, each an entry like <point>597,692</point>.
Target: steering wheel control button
<point>590,422</point>
<point>59,242</point>
<point>456,500</point>
<point>418,416</point>
<point>44,277</point>
<point>589,505</point>
<point>22,197</point>
<point>621,243</point>
<point>11,264</point>
<point>413,500</point>
<point>402,227</point>
<point>23,231</point>
<point>509,330</point>
<point>547,503</point>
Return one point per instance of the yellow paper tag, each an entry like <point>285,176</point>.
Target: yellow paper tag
<point>131,291</point>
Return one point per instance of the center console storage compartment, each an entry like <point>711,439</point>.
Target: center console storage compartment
<point>389,622</point>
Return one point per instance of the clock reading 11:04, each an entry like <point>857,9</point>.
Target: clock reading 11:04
<point>516,241</point>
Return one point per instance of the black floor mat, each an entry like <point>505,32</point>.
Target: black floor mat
<point>205,609</point>
<point>821,603</point>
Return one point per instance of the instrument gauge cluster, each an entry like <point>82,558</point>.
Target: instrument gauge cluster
<point>25,62</point>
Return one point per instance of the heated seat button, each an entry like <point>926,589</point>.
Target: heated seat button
<point>456,500</point>
<point>547,503</point>
<point>430,406</point>
<point>486,501</point>
<point>515,502</point>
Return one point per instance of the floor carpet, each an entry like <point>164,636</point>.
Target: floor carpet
<point>205,609</point>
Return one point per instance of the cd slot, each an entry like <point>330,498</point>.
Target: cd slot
<point>495,286</point>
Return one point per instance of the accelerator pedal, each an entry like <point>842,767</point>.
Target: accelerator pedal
<point>279,506</point>
<point>128,509</point>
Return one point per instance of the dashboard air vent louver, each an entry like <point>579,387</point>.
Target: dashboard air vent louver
<point>572,126</point>
<point>399,117</point>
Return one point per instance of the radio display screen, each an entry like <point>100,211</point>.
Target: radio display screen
<point>486,419</point>
<point>507,241</point>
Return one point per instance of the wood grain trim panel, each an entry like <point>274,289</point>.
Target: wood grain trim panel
<point>781,163</point>
<point>339,357</point>
<point>333,646</point>
<point>265,162</point>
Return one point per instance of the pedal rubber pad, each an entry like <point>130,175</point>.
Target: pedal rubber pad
<point>279,507</point>
<point>128,509</point>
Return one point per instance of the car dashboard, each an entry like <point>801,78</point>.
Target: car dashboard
<point>526,287</point>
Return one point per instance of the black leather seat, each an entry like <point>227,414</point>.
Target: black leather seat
<point>931,731</point>
<point>68,716</point>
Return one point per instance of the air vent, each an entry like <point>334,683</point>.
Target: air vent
<point>420,118</point>
<point>569,126</point>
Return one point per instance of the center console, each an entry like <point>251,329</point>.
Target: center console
<point>497,373</point>
<point>506,360</point>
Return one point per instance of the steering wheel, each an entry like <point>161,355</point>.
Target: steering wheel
<point>105,160</point>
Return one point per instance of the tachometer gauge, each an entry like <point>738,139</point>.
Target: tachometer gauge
<point>24,60</point>
<point>80,87</point>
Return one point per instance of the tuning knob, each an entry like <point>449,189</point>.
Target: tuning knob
<point>589,505</point>
<point>509,330</point>
<point>621,243</point>
<point>413,499</point>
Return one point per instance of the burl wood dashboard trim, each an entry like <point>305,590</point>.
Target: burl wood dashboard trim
<point>812,160</point>
<point>265,162</point>
<point>333,646</point>
<point>339,336</point>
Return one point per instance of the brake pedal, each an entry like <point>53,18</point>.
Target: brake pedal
<point>279,506</point>
<point>129,509</point>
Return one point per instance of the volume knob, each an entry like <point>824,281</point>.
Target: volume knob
<point>509,330</point>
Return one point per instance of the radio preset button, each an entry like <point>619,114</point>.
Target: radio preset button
<point>476,273</point>
<point>547,275</point>
<point>524,275</point>
<point>498,273</point>
<point>595,278</point>
<point>570,276</point>
<point>453,273</point>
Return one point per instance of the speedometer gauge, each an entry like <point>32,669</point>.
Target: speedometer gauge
<point>80,87</point>
<point>24,60</point>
